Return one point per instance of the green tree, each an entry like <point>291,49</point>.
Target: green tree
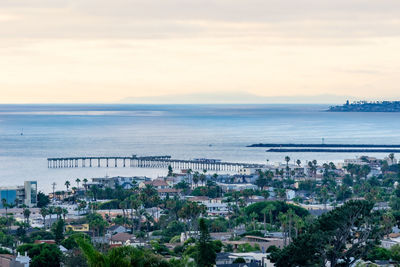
<point>42,254</point>
<point>58,231</point>
<point>340,237</point>
<point>42,200</point>
<point>205,251</point>
<point>120,257</point>
<point>26,213</point>
<point>77,182</point>
<point>67,185</point>
<point>170,171</point>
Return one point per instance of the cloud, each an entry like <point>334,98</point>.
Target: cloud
<point>102,50</point>
<point>268,19</point>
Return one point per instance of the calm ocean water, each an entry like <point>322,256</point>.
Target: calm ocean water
<point>182,131</point>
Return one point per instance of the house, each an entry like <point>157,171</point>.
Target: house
<point>157,184</point>
<point>247,171</point>
<point>115,229</point>
<point>160,184</point>
<point>391,240</point>
<point>122,239</point>
<point>77,227</point>
<point>236,187</point>
<point>171,192</point>
<point>7,260</point>
<point>253,259</point>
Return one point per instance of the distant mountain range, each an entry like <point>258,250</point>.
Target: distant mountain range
<point>236,98</point>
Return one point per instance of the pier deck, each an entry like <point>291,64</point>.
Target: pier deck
<point>147,162</point>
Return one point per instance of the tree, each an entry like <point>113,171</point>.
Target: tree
<point>202,178</point>
<point>391,157</point>
<point>170,171</point>
<point>287,159</point>
<point>27,213</point>
<point>196,178</point>
<point>239,260</point>
<point>42,200</point>
<point>268,209</point>
<point>298,162</point>
<point>77,182</point>
<point>205,252</point>
<point>64,213</point>
<point>125,256</point>
<point>339,237</point>
<point>85,183</point>
<point>67,185</point>
<point>58,231</point>
<point>44,212</point>
<point>48,255</point>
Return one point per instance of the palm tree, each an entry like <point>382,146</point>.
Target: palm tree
<point>77,182</point>
<point>64,213</point>
<point>202,178</point>
<point>196,178</point>
<point>27,213</point>
<point>270,208</point>
<point>253,217</point>
<point>215,177</point>
<point>58,212</point>
<point>391,157</point>
<point>298,162</point>
<point>44,212</point>
<point>67,185</point>
<point>189,172</point>
<point>85,183</point>
<point>287,159</point>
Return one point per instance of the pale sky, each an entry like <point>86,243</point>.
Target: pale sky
<point>76,51</point>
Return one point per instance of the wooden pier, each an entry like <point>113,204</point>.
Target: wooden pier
<point>148,162</point>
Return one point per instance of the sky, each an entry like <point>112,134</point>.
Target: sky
<point>102,51</point>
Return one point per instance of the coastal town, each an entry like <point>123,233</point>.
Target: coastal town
<point>260,215</point>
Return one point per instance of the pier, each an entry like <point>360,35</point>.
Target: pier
<point>148,162</point>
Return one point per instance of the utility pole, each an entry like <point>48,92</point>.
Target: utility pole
<point>54,189</point>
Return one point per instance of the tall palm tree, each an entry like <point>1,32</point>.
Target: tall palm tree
<point>44,212</point>
<point>391,157</point>
<point>189,172</point>
<point>67,185</point>
<point>287,159</point>
<point>85,183</point>
<point>202,178</point>
<point>27,213</point>
<point>64,213</point>
<point>196,178</point>
<point>58,211</point>
<point>77,182</point>
<point>298,162</point>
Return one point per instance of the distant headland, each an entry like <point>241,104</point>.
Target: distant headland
<point>366,106</point>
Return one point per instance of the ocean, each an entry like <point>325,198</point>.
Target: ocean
<point>182,131</point>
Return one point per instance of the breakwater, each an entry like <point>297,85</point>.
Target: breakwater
<point>345,150</point>
<point>327,145</point>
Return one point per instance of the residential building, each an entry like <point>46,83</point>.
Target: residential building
<point>124,182</point>
<point>116,229</point>
<point>20,195</point>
